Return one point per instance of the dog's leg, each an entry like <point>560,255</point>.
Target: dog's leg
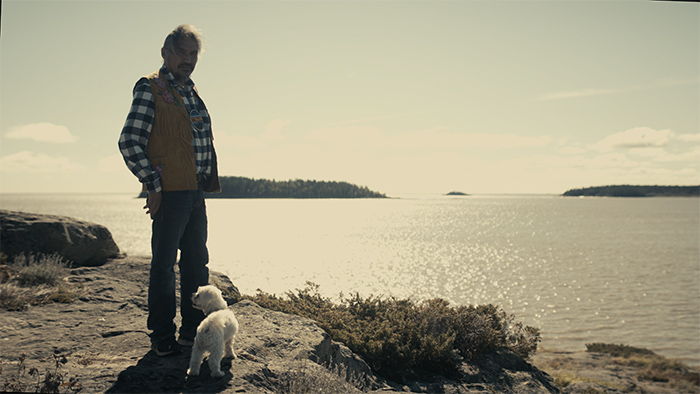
<point>195,360</point>
<point>215,362</point>
<point>229,349</point>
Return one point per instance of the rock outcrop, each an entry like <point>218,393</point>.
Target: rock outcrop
<point>101,342</point>
<point>82,243</point>
<point>589,372</point>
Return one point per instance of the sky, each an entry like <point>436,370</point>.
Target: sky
<point>403,97</point>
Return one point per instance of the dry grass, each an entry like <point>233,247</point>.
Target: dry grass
<point>17,298</point>
<point>653,367</point>
<point>34,270</point>
<point>565,379</point>
<point>559,363</point>
<point>23,380</point>
<point>34,280</point>
<point>307,377</point>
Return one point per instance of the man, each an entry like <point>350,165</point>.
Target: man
<point>167,143</point>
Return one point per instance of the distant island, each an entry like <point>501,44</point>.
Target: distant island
<point>453,193</point>
<point>635,191</point>
<point>241,187</point>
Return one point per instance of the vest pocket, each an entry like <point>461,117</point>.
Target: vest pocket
<point>160,165</point>
<point>174,171</point>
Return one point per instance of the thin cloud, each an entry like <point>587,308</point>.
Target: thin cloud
<point>366,137</point>
<point>438,137</point>
<point>244,142</point>
<point>669,82</point>
<point>273,130</point>
<point>575,94</point>
<point>31,162</point>
<point>362,120</point>
<point>638,137</point>
<point>42,132</point>
<point>569,94</point>
<point>691,156</point>
<point>689,137</point>
<point>352,137</point>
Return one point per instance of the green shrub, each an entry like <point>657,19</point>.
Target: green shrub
<point>395,336</point>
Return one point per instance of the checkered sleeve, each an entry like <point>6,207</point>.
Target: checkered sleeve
<point>134,137</point>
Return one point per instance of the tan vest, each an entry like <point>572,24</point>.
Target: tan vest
<point>170,143</point>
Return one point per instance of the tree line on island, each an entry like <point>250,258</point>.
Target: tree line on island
<point>635,191</point>
<point>241,187</point>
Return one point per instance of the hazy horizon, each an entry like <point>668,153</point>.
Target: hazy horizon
<point>399,195</point>
<point>403,97</point>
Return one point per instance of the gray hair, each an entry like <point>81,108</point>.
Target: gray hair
<point>183,31</point>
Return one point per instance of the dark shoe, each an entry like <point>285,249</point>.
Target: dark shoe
<point>166,347</point>
<point>185,340</point>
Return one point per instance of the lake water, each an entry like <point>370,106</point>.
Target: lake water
<point>583,270</point>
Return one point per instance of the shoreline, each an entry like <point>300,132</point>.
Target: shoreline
<point>102,338</point>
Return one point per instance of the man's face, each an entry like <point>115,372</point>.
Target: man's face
<point>181,60</point>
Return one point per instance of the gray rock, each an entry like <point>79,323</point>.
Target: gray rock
<point>229,291</point>
<point>82,243</point>
<point>337,355</point>
<point>582,372</point>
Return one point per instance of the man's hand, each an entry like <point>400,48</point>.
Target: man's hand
<point>153,203</point>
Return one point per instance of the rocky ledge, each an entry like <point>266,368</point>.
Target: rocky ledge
<point>100,341</point>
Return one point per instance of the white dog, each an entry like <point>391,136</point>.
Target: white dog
<point>215,333</point>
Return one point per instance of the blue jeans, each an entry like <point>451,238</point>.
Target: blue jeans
<point>180,223</point>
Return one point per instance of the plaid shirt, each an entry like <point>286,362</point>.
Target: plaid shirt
<point>133,141</point>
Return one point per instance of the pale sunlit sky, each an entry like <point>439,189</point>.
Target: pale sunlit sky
<point>399,96</point>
